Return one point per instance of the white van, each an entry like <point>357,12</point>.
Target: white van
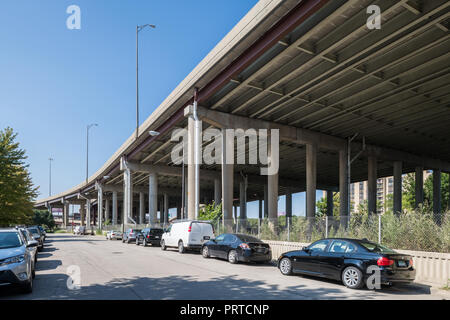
<point>188,234</point>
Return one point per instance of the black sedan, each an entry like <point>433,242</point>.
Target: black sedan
<point>351,261</point>
<point>237,247</point>
<point>149,236</point>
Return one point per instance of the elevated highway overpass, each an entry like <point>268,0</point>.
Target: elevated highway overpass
<point>335,89</point>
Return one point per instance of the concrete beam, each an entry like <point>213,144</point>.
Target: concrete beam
<point>311,177</point>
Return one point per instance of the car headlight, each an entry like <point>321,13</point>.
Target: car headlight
<point>16,259</point>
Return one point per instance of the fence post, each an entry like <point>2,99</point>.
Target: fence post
<point>379,228</point>
<point>326,226</point>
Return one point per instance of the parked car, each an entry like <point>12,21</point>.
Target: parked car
<point>348,260</point>
<point>149,235</point>
<point>237,247</point>
<point>187,235</point>
<point>28,236</point>
<point>38,236</point>
<point>130,235</point>
<point>80,230</point>
<point>112,234</point>
<point>16,261</point>
<point>43,231</point>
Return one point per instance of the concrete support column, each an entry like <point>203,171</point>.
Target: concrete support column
<point>260,209</point>
<point>419,186</point>
<point>343,185</point>
<point>108,210</point>
<point>437,195</point>
<point>141,208</point>
<point>82,214</point>
<point>311,174</point>
<point>88,214</point>
<point>178,211</point>
<point>66,214</point>
<point>127,195</point>
<point>372,185</point>
<point>397,186</point>
<point>166,209</point>
<point>227,179</point>
<point>272,200</point>
<point>152,198</point>
<point>288,205</point>
<point>114,208</point>
<point>100,206</point>
<point>266,207</point>
<point>330,203</point>
<point>191,170</point>
<point>217,192</point>
<point>242,202</point>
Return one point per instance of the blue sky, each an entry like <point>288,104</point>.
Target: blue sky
<point>54,81</point>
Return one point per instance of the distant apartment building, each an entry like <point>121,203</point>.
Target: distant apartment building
<point>385,186</point>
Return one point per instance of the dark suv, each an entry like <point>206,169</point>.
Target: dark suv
<point>149,235</point>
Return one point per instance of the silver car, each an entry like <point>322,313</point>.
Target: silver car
<point>113,235</point>
<point>16,260</point>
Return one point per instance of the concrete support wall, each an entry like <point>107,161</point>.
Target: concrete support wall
<point>437,195</point>
<point>372,185</point>
<point>311,175</point>
<point>115,208</point>
<point>153,198</point>
<point>343,184</point>
<point>260,209</point>
<point>191,171</point>
<point>272,200</point>
<point>127,195</point>
<point>108,210</point>
<point>88,214</point>
<point>397,186</point>
<point>330,203</point>
<point>227,179</point>
<point>419,186</point>
<point>217,192</point>
<point>141,208</point>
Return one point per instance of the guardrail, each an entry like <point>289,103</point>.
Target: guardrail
<point>431,267</point>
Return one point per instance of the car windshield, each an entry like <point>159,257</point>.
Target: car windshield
<point>34,231</point>
<point>10,240</point>
<point>374,247</point>
<point>246,238</point>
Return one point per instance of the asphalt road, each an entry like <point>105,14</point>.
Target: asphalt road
<point>114,270</point>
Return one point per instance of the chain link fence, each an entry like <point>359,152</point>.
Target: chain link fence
<point>408,231</point>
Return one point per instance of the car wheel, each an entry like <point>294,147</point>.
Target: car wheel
<point>137,241</point>
<point>232,257</point>
<point>28,286</point>
<point>123,240</point>
<point>286,266</point>
<point>144,242</point>
<point>181,248</point>
<point>128,240</point>
<point>205,252</point>
<point>352,278</point>
<point>163,245</point>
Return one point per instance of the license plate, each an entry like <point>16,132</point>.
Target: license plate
<point>261,250</point>
<point>206,237</point>
<point>401,263</point>
<point>156,237</point>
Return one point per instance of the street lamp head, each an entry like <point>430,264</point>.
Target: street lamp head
<point>153,133</point>
<point>139,28</point>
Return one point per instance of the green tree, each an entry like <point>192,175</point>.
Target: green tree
<point>44,218</point>
<point>211,212</point>
<point>16,188</point>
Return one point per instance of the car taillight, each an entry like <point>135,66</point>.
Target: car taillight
<point>189,229</point>
<point>383,261</point>
<point>244,246</point>
<point>411,262</point>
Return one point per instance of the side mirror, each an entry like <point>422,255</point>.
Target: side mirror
<point>305,249</point>
<point>32,244</point>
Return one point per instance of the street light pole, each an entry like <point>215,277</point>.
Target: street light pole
<point>138,28</point>
<point>87,148</point>
<point>50,177</point>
